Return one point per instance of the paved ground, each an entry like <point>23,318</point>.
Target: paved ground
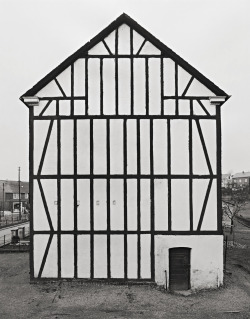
<point>19,299</point>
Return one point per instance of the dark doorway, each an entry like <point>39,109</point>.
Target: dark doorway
<point>179,268</point>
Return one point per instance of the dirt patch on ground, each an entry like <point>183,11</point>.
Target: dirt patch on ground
<point>20,299</point>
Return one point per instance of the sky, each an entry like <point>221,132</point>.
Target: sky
<point>37,35</point>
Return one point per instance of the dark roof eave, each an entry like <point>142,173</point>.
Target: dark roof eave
<point>124,18</point>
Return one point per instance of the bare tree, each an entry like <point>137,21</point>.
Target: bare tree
<point>233,206</point>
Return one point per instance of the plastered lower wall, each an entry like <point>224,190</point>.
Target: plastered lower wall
<point>206,270</point>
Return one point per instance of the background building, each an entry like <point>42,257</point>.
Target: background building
<point>9,196</point>
<point>241,180</point>
<point>125,166</point>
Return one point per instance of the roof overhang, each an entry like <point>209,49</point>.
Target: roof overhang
<point>218,100</point>
<point>30,100</point>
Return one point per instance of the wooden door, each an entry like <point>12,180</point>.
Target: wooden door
<point>179,269</point>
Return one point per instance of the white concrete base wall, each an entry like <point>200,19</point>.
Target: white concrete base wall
<point>206,259</point>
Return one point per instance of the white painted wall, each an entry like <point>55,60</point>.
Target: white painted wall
<point>206,251</point>
<point>206,259</point>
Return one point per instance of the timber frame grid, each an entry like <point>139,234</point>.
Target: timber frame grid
<point>55,120</point>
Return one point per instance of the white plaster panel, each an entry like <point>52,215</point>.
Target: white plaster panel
<point>184,107</point>
<point>169,107</point>
<point>197,109</point>
<point>199,159</point>
<point>39,243</point>
<point>210,108</point>
<point>124,39</point>
<point>94,87</point>
<point>64,79</point>
<point>50,160</point>
<point>67,204</point>
<point>137,41</point>
<point>160,150</point>
<point>98,49</point>
<point>83,147</point>
<point>79,107</point>
<point>83,209</point>
<point>161,204</point>
<point>116,204</point>
<point>51,89</point>
<point>210,217</point>
<point>169,76</point>
<point>139,87</point>
<point>67,256</point>
<point>67,151</point>
<point>50,193</point>
<point>40,133</point>
<point>100,256</point>
<point>117,256</point>
<point>110,40</point>
<point>179,147</point>
<point>79,77</point>
<point>199,193</point>
<point>124,86</point>
<point>208,128</point>
<point>206,264</point>
<point>131,147</point>
<point>154,86</point>
<point>132,204</point>
<point>198,89</point>
<point>149,49</point>
<point>132,256</point>
<point>100,153</point>
<point>100,204</point>
<point>145,256</point>
<point>145,204</point>
<point>109,106</point>
<point>183,79</point>
<point>145,146</point>
<point>180,205</point>
<point>64,107</point>
<point>40,221</point>
<point>51,110</point>
<point>50,268</point>
<point>83,254</point>
<point>116,146</point>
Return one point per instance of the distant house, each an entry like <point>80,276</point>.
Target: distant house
<point>226,181</point>
<point>241,180</point>
<point>9,196</point>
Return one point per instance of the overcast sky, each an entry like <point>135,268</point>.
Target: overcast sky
<point>37,35</point>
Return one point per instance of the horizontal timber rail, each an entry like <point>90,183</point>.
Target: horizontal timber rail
<point>122,176</point>
<point>122,232</point>
<point>130,117</point>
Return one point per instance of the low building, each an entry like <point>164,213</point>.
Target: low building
<point>9,196</point>
<point>241,180</point>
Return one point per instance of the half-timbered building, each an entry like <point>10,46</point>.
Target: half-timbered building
<point>125,165</point>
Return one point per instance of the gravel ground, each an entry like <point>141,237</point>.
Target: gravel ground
<point>20,299</point>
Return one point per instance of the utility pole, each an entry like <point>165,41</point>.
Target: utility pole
<point>19,191</point>
<point>3,203</point>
